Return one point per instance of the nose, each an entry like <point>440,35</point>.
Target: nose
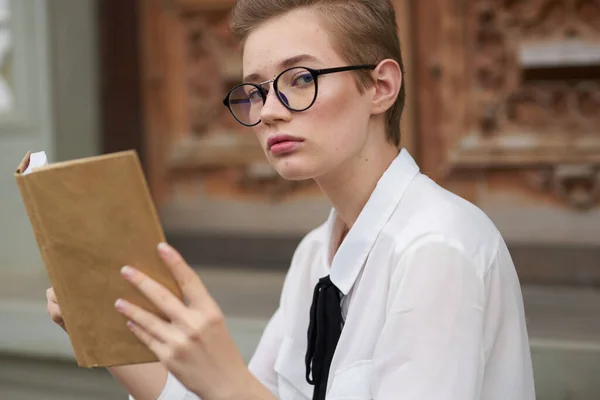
<point>273,110</point>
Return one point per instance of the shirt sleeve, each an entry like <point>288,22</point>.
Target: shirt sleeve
<point>262,364</point>
<point>431,346</point>
<point>174,390</point>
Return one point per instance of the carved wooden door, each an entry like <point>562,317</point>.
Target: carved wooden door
<point>206,171</point>
<point>509,117</point>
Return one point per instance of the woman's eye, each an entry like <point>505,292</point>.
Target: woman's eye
<point>254,96</point>
<point>303,80</point>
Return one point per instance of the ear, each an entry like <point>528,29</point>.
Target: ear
<point>388,82</point>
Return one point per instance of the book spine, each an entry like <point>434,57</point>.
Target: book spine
<point>41,238</point>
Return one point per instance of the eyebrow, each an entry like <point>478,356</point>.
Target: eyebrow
<point>287,63</point>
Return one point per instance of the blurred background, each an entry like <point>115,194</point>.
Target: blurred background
<point>503,109</point>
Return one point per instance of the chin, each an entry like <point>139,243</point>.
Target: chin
<point>292,169</point>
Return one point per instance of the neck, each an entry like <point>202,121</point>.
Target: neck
<point>350,186</point>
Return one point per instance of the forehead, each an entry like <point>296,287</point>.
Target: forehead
<point>297,33</point>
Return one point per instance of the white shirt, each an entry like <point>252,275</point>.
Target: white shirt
<point>433,307</point>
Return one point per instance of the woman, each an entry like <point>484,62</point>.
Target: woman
<point>406,292</point>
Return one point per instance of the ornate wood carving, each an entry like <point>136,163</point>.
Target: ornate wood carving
<point>223,155</point>
<point>576,185</point>
<point>513,92</point>
<point>520,88</point>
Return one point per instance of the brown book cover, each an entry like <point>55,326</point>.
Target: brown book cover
<point>91,217</point>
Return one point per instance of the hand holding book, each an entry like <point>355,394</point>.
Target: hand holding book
<point>192,341</point>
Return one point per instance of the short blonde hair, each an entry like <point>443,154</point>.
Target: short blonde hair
<point>363,31</point>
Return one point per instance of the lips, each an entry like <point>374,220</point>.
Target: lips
<point>281,138</point>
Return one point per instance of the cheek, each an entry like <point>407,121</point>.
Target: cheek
<point>340,117</point>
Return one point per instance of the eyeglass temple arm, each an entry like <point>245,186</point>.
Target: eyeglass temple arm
<point>342,69</point>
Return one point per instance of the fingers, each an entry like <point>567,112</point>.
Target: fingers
<point>54,309</point>
<point>187,279</point>
<point>150,323</point>
<point>160,296</point>
<point>156,346</point>
<point>51,296</point>
<point>54,312</point>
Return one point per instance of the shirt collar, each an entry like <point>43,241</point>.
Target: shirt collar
<point>352,253</point>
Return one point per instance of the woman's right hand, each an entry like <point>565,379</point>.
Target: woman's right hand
<point>54,309</point>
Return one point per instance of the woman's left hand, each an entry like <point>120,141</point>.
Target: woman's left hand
<point>194,343</point>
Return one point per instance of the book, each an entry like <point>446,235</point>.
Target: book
<point>91,217</point>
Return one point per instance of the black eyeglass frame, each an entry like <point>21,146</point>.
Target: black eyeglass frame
<point>315,74</point>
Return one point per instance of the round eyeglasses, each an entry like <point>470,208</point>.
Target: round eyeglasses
<point>296,89</point>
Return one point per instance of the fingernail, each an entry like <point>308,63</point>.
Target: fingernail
<point>120,305</point>
<point>127,272</point>
<point>164,249</point>
<point>130,325</point>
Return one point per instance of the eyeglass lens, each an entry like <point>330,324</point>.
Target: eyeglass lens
<point>296,89</point>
